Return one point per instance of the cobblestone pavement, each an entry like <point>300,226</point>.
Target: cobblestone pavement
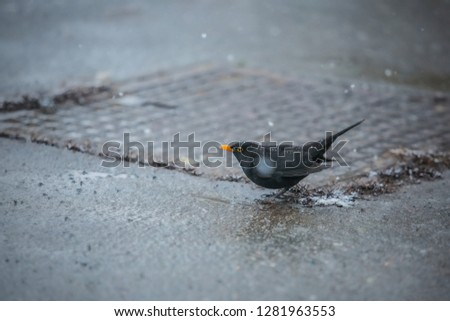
<point>225,104</point>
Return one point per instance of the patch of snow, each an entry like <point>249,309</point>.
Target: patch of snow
<point>337,198</point>
<point>373,174</point>
<point>96,175</point>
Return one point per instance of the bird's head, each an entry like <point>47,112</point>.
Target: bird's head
<point>245,152</point>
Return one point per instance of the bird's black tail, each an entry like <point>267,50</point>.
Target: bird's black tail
<point>331,138</point>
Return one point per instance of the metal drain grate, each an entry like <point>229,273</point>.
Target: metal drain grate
<point>226,104</point>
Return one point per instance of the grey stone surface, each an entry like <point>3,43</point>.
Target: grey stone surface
<point>234,104</point>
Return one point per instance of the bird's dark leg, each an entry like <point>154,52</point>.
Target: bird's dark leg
<point>280,193</point>
<point>271,198</point>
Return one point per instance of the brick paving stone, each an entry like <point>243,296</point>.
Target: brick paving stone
<point>226,104</point>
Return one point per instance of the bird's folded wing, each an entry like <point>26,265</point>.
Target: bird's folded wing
<point>303,171</point>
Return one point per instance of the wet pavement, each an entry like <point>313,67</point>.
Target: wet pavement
<point>81,231</point>
<point>75,75</point>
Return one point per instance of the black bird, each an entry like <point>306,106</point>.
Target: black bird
<point>285,165</point>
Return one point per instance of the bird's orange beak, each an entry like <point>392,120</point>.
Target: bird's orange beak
<point>226,147</point>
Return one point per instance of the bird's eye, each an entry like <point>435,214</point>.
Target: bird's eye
<point>238,149</point>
